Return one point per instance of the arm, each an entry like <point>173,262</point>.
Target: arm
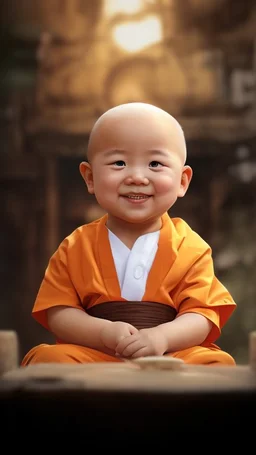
<point>185,331</point>
<point>77,327</point>
<point>189,329</point>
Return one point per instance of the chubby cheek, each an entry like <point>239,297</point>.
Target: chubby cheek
<point>105,183</point>
<point>164,185</point>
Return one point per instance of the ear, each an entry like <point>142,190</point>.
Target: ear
<point>186,177</point>
<point>86,172</point>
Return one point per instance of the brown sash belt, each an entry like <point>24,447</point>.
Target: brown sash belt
<point>141,315</point>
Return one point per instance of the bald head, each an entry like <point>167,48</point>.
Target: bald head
<point>150,118</point>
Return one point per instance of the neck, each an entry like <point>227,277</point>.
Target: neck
<point>130,232</point>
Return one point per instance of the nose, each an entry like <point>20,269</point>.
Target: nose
<point>136,177</point>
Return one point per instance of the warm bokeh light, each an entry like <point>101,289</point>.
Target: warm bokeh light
<point>113,7</point>
<point>135,36</point>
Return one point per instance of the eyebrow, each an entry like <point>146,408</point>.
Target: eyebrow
<point>113,152</point>
<point>159,152</point>
<point>150,152</point>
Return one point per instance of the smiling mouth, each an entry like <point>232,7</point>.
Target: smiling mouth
<point>136,196</point>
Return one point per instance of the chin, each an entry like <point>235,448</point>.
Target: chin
<point>140,221</point>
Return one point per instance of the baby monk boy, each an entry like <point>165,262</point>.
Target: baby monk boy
<point>135,282</point>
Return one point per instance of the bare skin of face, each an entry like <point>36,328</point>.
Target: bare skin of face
<point>136,167</point>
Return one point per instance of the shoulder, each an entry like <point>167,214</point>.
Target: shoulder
<point>190,238</point>
<point>81,237</point>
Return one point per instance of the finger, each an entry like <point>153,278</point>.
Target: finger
<point>124,334</point>
<point>124,343</point>
<point>130,350</point>
<point>133,330</point>
<point>142,352</point>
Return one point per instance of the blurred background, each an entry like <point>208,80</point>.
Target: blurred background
<point>62,64</point>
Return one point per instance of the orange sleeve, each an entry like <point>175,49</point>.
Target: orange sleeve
<point>201,292</point>
<point>56,288</point>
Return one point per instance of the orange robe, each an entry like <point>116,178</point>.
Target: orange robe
<point>81,273</point>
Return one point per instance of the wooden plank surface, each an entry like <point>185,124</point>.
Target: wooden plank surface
<point>129,376</point>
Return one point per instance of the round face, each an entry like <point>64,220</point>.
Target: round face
<point>136,169</point>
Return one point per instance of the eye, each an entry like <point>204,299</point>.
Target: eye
<point>119,163</point>
<point>155,164</point>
